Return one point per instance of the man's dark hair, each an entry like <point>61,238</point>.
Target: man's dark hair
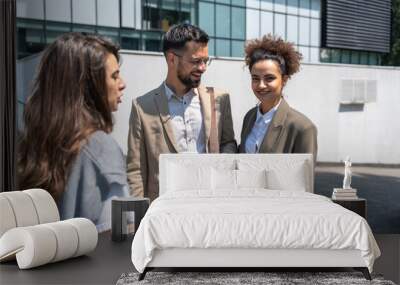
<point>178,35</point>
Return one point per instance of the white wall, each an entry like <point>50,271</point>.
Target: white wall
<point>368,136</point>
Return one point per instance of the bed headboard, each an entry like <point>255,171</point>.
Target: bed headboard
<point>283,163</point>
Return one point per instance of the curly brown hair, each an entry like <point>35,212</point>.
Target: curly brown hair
<point>274,48</point>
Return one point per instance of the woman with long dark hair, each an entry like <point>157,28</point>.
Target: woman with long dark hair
<point>66,147</point>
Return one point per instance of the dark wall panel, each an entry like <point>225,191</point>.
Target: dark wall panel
<point>7,96</point>
<point>356,24</point>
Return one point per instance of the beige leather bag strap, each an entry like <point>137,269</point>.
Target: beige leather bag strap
<point>213,145</point>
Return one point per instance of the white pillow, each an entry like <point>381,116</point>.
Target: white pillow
<point>291,176</point>
<point>251,178</point>
<point>188,177</point>
<point>223,179</point>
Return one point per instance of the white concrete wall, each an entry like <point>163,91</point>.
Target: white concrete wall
<point>368,136</point>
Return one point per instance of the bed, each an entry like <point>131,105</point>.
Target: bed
<point>243,210</point>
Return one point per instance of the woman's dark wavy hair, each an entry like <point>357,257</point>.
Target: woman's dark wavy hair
<point>67,104</point>
<point>273,48</point>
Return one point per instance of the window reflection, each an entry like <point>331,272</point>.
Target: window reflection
<point>228,23</point>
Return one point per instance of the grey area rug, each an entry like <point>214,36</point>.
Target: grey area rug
<point>225,278</point>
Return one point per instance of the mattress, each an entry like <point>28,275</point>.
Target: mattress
<point>250,219</point>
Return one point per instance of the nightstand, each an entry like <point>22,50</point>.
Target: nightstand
<point>120,208</point>
<point>358,206</point>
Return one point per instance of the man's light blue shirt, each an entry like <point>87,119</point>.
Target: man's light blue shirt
<point>187,120</point>
<point>260,128</point>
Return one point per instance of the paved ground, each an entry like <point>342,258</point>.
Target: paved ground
<point>379,185</point>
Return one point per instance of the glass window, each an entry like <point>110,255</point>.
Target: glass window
<point>304,31</point>
<point>345,56</point>
<point>280,26</point>
<point>253,4</point>
<point>292,24</point>
<point>267,23</point>
<point>206,17</point>
<point>30,9</point>
<point>169,14</point>
<point>151,41</point>
<point>84,12</point>
<point>267,5</point>
<point>223,1</point>
<point>379,58</point>
<point>130,40</point>
<point>30,37</point>
<point>108,13</point>
<point>325,55</point>
<point>169,4</point>
<point>211,47</point>
<point>280,6</point>
<point>238,48</point>
<point>293,7</point>
<point>54,30</point>
<point>223,19</point>
<point>355,57</point>
<point>304,7</point>
<point>335,56</point>
<point>112,34</point>
<point>58,10</point>
<point>315,33</point>
<point>151,3</point>
<point>151,14</point>
<point>138,14</point>
<point>223,47</point>
<point>168,18</point>
<point>127,13</point>
<point>305,51</point>
<point>187,11</point>
<point>316,8</point>
<point>373,58</point>
<point>83,29</point>
<point>238,23</point>
<point>364,58</point>
<point>314,55</point>
<point>252,23</point>
<point>239,3</point>
<point>187,5</point>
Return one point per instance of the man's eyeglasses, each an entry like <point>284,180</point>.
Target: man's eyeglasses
<point>195,61</point>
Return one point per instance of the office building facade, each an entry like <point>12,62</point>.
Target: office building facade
<point>139,24</point>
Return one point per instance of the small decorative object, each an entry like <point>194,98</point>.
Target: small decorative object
<point>347,192</point>
<point>347,173</point>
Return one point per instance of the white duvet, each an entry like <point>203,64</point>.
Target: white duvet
<point>253,218</point>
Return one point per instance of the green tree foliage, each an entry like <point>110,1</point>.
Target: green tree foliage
<point>393,58</point>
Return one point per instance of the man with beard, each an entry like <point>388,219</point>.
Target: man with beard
<point>180,115</point>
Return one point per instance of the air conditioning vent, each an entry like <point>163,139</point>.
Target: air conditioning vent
<point>357,91</point>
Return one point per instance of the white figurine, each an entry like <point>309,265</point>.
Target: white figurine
<point>347,174</point>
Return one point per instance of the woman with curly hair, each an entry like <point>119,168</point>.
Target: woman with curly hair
<point>273,126</point>
<point>66,147</point>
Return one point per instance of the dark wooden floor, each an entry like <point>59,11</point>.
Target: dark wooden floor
<point>106,264</point>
